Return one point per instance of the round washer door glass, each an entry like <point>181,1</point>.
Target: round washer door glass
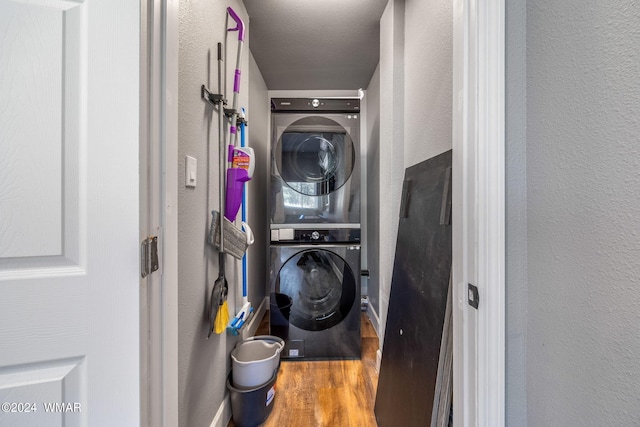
<point>321,286</point>
<point>315,156</point>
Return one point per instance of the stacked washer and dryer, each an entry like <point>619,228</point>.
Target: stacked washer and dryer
<point>314,210</point>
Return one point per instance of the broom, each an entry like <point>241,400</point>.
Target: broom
<point>222,316</point>
<point>218,309</point>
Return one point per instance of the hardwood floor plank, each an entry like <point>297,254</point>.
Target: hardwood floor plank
<point>332,393</point>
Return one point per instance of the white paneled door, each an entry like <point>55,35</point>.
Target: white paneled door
<point>69,212</point>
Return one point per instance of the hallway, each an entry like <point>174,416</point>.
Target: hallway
<point>327,393</point>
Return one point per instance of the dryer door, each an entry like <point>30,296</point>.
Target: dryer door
<point>316,156</point>
<point>321,287</point>
<point>315,169</point>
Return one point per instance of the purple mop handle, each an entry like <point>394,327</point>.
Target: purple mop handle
<point>239,24</point>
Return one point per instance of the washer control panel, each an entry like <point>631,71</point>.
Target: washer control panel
<point>319,236</point>
<point>314,236</point>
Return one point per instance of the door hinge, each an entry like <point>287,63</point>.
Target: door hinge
<point>149,256</point>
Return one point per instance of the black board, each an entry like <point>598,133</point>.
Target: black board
<point>418,299</point>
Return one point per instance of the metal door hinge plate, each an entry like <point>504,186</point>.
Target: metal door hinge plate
<point>149,256</point>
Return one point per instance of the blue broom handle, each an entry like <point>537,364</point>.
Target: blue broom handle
<point>244,216</point>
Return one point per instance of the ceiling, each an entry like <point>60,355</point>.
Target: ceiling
<point>315,44</point>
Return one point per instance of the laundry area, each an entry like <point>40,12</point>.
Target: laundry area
<point>224,213</point>
<point>314,225</point>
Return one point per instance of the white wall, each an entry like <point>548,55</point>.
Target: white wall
<point>203,363</point>
<point>583,199</point>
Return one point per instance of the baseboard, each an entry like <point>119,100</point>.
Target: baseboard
<point>375,322</point>
<point>375,319</point>
<point>223,416</point>
<point>258,313</point>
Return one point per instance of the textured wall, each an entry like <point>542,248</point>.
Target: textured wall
<point>428,83</point>
<point>373,193</point>
<point>203,363</point>
<point>416,41</point>
<point>516,213</point>
<point>391,143</point>
<point>258,118</point>
<point>583,158</point>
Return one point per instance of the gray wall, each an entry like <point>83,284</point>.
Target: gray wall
<point>516,214</point>
<point>416,41</point>
<point>391,144</point>
<point>428,84</point>
<point>203,363</point>
<point>373,194</point>
<point>583,200</point>
<point>258,119</point>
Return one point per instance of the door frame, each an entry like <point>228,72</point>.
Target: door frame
<point>159,213</point>
<point>479,211</point>
<point>478,197</point>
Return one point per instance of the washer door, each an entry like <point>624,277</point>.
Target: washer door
<point>315,157</point>
<point>321,286</point>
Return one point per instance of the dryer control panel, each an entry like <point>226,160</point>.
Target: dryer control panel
<point>289,105</point>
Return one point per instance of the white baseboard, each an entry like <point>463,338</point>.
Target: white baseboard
<point>375,319</point>
<point>223,416</point>
<point>258,313</point>
<point>375,322</point>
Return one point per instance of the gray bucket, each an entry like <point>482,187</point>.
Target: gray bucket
<point>250,408</point>
<point>254,360</point>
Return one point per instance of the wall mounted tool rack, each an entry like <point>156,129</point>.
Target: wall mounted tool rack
<point>212,98</point>
<point>216,99</point>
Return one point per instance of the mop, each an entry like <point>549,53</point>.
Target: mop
<point>246,310</point>
<point>218,309</point>
<point>241,160</point>
<point>229,178</point>
<point>241,166</point>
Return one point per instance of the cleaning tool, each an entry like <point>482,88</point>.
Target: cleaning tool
<point>246,310</point>
<point>236,241</point>
<point>222,317</point>
<point>218,310</point>
<point>242,165</point>
<point>241,160</point>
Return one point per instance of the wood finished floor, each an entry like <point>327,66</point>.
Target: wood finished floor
<point>335,393</point>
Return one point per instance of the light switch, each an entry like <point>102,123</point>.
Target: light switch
<point>191,172</point>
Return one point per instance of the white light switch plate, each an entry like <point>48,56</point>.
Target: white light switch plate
<point>191,172</point>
